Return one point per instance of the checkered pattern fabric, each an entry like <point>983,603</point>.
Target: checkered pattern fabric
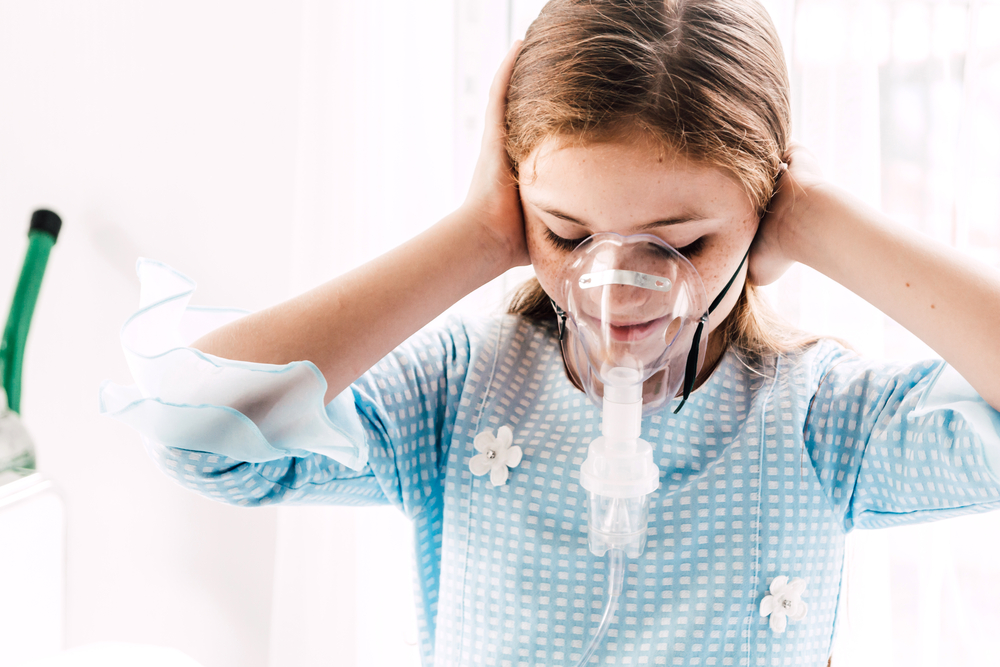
<point>762,474</point>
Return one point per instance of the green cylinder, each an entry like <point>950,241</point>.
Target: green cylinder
<point>42,236</point>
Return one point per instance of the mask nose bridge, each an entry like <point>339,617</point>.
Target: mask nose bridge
<point>622,284</point>
<point>622,301</point>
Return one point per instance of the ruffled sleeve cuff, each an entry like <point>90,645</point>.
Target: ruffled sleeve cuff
<point>186,399</point>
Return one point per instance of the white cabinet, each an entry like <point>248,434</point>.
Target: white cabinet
<point>32,570</point>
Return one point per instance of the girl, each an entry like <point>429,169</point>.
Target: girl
<point>665,117</point>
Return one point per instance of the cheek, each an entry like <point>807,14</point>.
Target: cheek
<point>719,261</point>
<point>547,261</point>
<point>719,265</point>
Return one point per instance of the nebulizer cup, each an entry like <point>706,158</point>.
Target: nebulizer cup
<point>632,306</point>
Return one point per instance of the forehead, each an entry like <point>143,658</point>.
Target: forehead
<point>634,179</point>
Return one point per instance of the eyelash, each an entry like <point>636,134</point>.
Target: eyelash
<point>690,250</point>
<point>694,248</point>
<point>561,243</point>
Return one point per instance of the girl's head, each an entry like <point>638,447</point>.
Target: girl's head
<point>663,116</point>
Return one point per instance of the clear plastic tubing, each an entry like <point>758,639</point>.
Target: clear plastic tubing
<point>616,579</point>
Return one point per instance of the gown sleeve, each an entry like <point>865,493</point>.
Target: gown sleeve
<point>895,444</point>
<point>254,434</point>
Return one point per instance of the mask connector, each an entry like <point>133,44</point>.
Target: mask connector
<point>619,473</point>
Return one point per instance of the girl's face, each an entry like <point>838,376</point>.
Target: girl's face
<point>633,187</point>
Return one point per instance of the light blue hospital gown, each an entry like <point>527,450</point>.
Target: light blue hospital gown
<point>762,474</point>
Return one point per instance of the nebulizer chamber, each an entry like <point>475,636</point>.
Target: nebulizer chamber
<point>619,473</point>
<point>632,305</point>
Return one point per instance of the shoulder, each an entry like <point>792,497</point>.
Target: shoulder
<point>827,370</point>
<point>476,337</point>
<point>805,369</point>
<point>814,360</point>
<point>806,364</point>
<point>512,341</point>
<point>504,329</point>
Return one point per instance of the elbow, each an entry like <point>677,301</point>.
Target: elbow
<point>216,477</point>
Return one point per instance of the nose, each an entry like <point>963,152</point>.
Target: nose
<point>621,304</point>
<point>622,281</point>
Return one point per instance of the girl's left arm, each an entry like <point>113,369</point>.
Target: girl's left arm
<point>947,299</point>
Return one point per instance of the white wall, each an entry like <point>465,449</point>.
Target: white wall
<point>163,129</point>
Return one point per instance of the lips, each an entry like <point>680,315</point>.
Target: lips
<point>628,332</point>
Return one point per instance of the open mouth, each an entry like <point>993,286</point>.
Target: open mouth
<point>629,332</point>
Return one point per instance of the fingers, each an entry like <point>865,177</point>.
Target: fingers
<point>497,105</point>
<point>502,78</point>
<point>794,148</point>
<point>801,158</point>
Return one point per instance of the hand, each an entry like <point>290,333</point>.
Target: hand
<point>772,252</point>
<point>493,199</point>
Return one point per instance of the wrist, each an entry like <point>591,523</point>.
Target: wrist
<point>492,236</point>
<point>835,223</point>
<point>808,219</point>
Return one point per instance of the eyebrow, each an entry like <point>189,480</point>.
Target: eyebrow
<point>677,220</point>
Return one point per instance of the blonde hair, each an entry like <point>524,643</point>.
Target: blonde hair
<point>704,78</point>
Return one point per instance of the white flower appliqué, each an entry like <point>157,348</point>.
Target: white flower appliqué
<point>784,603</point>
<point>495,455</point>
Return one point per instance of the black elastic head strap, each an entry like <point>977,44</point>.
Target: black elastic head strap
<point>691,368</point>
<point>560,318</point>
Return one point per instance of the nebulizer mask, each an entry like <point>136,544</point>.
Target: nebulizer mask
<point>632,337</point>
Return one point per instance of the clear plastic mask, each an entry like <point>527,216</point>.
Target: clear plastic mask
<point>632,302</point>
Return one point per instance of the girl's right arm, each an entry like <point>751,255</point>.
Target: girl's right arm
<point>347,324</point>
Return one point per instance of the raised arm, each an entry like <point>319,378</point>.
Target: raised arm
<point>347,324</point>
<point>947,299</point>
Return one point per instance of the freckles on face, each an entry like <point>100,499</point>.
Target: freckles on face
<point>569,192</point>
<point>548,262</point>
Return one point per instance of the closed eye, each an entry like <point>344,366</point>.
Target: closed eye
<point>692,249</point>
<point>563,243</point>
